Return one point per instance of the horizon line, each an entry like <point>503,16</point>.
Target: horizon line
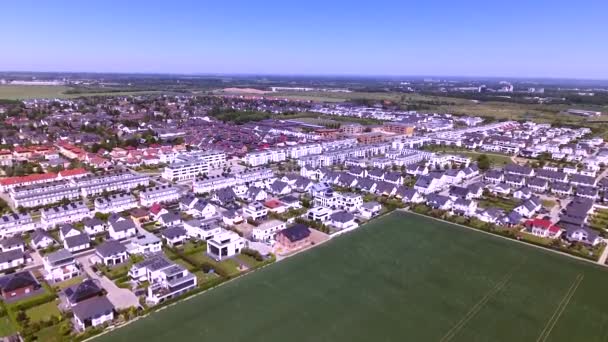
<point>355,75</point>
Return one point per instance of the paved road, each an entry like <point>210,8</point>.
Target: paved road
<point>120,298</point>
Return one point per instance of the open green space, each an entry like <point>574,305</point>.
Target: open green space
<point>498,202</point>
<point>43,311</point>
<point>20,92</point>
<point>7,327</point>
<point>400,278</point>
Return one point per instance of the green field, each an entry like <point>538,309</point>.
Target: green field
<point>20,92</point>
<point>400,278</point>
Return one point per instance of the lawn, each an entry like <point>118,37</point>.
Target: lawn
<point>400,278</point>
<point>497,202</point>
<point>67,283</point>
<point>50,334</point>
<point>7,327</point>
<point>43,312</point>
<point>18,92</point>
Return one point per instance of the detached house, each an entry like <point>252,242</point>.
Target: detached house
<point>543,228</point>
<point>583,235</point>
<point>77,243</point>
<point>122,228</point>
<point>409,195</point>
<point>464,207</point>
<point>439,202</point>
<point>529,207</point>
<point>41,239</point>
<point>94,226</point>
<point>174,236</point>
<point>111,253</point>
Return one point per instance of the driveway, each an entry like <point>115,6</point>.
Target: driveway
<point>120,298</point>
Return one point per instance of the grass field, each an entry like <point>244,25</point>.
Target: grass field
<point>20,92</point>
<point>43,312</point>
<point>7,327</point>
<point>400,278</point>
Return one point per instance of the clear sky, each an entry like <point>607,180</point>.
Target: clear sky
<point>534,38</point>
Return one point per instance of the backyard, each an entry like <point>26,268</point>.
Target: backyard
<point>390,279</point>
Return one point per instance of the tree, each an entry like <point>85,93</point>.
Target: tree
<point>483,162</point>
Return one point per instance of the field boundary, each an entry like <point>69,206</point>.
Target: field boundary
<point>509,239</point>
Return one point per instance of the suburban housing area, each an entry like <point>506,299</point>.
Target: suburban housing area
<point>114,207</point>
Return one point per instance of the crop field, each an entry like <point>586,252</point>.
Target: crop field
<point>21,92</point>
<point>400,278</point>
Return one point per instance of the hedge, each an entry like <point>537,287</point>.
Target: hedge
<point>32,302</point>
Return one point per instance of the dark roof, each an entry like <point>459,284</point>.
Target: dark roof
<point>12,241</point>
<point>66,228</point>
<point>11,255</point>
<point>92,222</point>
<point>93,307</point>
<point>342,216</point>
<point>170,217</point>
<point>16,281</point>
<point>459,191</point>
<point>518,169</point>
<point>110,247</point>
<point>40,234</point>
<point>296,233</point>
<point>582,179</point>
<point>173,232</point>
<point>83,291</point>
<point>77,240</point>
<point>123,225</point>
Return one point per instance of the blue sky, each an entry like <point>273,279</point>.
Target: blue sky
<point>515,38</point>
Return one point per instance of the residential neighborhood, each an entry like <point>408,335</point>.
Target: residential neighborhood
<point>103,231</point>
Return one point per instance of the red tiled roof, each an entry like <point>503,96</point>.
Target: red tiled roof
<point>544,224</point>
<point>156,208</point>
<point>26,179</point>
<point>74,172</point>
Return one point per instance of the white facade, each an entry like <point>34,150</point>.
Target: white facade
<point>14,224</point>
<point>69,213</point>
<point>225,244</point>
<point>266,231</point>
<point>115,203</point>
<point>158,194</point>
<point>264,157</point>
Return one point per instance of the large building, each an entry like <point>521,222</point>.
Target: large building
<point>202,185</point>
<point>69,213</point>
<point>43,194</point>
<point>398,128</point>
<point>158,194</point>
<point>194,164</point>
<point>14,224</point>
<point>265,157</point>
<point>115,203</point>
<point>94,185</point>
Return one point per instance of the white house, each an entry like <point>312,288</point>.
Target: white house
<point>145,244</point>
<point>93,312</point>
<point>343,220</point>
<point>225,244</point>
<point>266,230</point>
<point>111,252</point>
<point>202,229</point>
<point>60,266</point>
<point>122,228</point>
<point>370,209</point>
<point>77,243</point>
